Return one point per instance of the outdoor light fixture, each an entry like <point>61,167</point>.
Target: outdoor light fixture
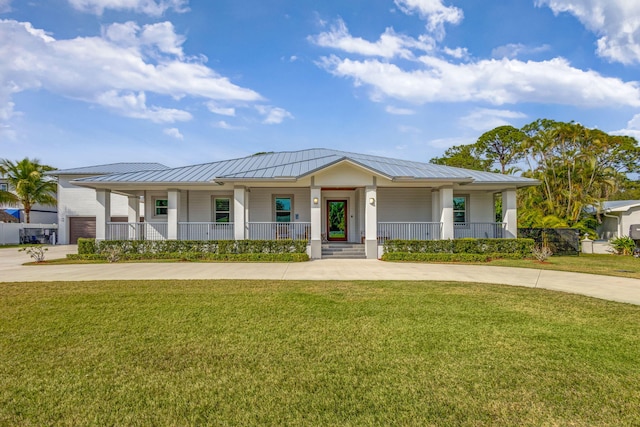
<point>372,201</point>
<point>315,200</point>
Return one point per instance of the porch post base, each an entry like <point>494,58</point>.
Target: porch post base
<point>371,249</point>
<point>316,249</point>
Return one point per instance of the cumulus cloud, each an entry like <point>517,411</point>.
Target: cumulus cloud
<point>273,115</point>
<point>399,111</point>
<point>174,133</point>
<point>514,50</point>
<point>115,70</point>
<point>225,125</point>
<point>484,119</point>
<point>434,12</point>
<point>497,82</point>
<point>389,45</point>
<point>149,7</point>
<point>617,22</point>
<point>215,108</point>
<point>632,129</point>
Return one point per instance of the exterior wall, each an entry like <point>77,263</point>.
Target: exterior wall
<point>355,228</point>
<point>199,205</point>
<point>632,216</point>
<point>481,207</point>
<point>404,205</point>
<point>609,227</point>
<point>261,200</point>
<point>79,201</point>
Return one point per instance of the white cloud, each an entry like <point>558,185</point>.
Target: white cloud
<point>174,133</point>
<point>5,6</point>
<point>434,12</point>
<point>493,81</point>
<point>224,125</point>
<point>409,129</point>
<point>458,53</point>
<point>274,115</point>
<point>617,22</point>
<point>632,129</point>
<point>116,70</point>
<point>215,108</point>
<point>149,7</point>
<point>484,119</point>
<point>445,143</point>
<point>399,111</point>
<point>389,45</point>
<point>514,50</point>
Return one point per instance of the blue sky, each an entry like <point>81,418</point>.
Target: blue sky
<point>85,82</point>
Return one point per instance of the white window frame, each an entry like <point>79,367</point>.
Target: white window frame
<point>465,210</point>
<point>275,211</point>
<point>216,211</point>
<point>4,186</point>
<point>155,207</point>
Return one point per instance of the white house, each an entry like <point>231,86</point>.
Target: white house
<point>618,217</point>
<point>317,194</point>
<point>77,206</point>
<point>40,214</point>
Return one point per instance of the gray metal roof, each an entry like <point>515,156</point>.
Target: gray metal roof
<point>620,205</point>
<point>297,164</point>
<point>109,169</point>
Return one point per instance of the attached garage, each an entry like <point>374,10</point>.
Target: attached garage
<point>85,226</point>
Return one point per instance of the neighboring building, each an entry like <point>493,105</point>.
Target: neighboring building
<point>40,214</point>
<point>77,206</point>
<point>317,194</point>
<point>618,217</point>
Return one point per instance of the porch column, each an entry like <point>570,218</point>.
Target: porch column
<point>103,213</point>
<point>316,223</point>
<point>510,213</point>
<point>238,212</point>
<point>173,214</point>
<point>133,215</point>
<point>371,223</point>
<point>446,212</point>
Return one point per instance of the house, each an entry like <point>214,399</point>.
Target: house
<point>40,214</point>
<point>77,206</point>
<point>320,195</point>
<point>618,217</point>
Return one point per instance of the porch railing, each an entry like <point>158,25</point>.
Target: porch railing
<point>137,230</point>
<point>479,230</point>
<point>278,230</point>
<point>205,231</point>
<point>408,231</point>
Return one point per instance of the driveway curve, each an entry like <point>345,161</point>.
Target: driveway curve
<point>604,287</point>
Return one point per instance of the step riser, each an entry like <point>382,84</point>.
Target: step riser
<point>343,251</point>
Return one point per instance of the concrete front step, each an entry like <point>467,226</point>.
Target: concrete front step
<point>343,250</point>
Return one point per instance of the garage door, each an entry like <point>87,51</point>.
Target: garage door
<point>81,226</point>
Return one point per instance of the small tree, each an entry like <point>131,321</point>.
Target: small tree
<point>27,180</point>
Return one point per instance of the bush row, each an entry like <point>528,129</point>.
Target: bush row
<point>446,257</point>
<point>220,247</point>
<point>196,256</point>
<point>519,248</point>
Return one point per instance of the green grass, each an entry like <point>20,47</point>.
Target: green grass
<point>611,265</point>
<point>314,353</point>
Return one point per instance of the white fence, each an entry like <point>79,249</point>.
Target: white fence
<point>408,231</point>
<point>279,230</point>
<point>137,230</point>
<point>34,233</point>
<point>205,231</point>
<point>479,230</point>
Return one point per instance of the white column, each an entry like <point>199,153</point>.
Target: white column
<point>133,215</point>
<point>103,213</point>
<point>173,214</point>
<point>510,213</point>
<point>446,212</point>
<point>371,223</point>
<point>316,222</point>
<point>238,212</point>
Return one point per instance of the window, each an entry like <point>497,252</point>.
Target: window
<point>4,187</point>
<point>283,209</point>
<point>459,209</point>
<point>161,207</point>
<point>222,210</point>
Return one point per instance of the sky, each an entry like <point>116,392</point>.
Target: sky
<point>179,82</point>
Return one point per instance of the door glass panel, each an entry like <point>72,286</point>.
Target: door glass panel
<point>337,213</point>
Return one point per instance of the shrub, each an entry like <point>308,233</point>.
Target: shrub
<point>623,245</point>
<point>541,252</point>
<point>520,248</point>
<point>36,252</point>
<point>445,257</point>
<point>197,256</point>
<point>86,246</point>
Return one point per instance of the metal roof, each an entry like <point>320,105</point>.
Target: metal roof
<point>109,169</point>
<point>619,205</point>
<point>297,164</point>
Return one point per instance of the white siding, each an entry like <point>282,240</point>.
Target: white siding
<point>261,201</point>
<point>481,207</point>
<point>632,216</point>
<point>404,205</point>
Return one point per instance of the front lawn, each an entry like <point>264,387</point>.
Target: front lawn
<point>314,353</point>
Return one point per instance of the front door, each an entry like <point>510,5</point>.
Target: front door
<point>336,220</point>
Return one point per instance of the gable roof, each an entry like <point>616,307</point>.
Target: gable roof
<point>111,168</point>
<point>620,205</point>
<point>298,164</point>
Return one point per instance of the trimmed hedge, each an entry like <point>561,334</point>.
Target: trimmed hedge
<point>220,247</point>
<point>516,248</point>
<point>446,257</point>
<point>198,256</point>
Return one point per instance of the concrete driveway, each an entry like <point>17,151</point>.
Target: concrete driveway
<point>604,287</point>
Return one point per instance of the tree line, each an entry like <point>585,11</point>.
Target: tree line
<point>576,166</point>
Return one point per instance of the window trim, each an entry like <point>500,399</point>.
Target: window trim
<point>216,211</point>
<point>4,186</point>
<point>275,211</point>
<point>466,209</point>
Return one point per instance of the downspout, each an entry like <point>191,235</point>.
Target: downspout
<point>617,221</point>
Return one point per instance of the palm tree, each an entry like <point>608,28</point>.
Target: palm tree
<point>27,184</point>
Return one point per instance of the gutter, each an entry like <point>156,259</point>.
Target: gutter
<point>619,232</point>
